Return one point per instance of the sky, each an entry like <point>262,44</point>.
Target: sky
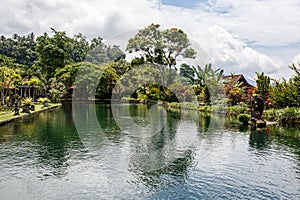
<point>235,35</point>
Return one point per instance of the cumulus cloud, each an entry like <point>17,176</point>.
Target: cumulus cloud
<point>226,52</point>
<point>222,31</point>
<point>296,59</point>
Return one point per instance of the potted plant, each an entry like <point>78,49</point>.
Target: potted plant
<point>27,102</point>
<point>45,101</point>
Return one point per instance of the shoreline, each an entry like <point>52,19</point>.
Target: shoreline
<point>24,115</point>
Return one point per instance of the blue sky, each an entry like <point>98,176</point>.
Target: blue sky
<point>183,3</point>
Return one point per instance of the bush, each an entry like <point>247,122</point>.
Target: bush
<point>271,115</point>
<point>289,115</point>
<point>45,101</point>
<point>236,110</point>
<point>174,105</point>
<point>244,118</point>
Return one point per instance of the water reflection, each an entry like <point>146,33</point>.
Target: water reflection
<point>47,139</point>
<point>190,156</point>
<point>159,155</point>
<point>259,138</point>
<point>170,152</point>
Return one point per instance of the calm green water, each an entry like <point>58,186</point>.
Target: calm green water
<point>132,152</point>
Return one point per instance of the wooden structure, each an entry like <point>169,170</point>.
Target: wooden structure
<point>238,78</point>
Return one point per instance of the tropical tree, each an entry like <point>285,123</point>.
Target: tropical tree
<point>207,82</point>
<point>9,77</point>
<point>57,90</point>
<point>53,53</point>
<point>263,84</point>
<point>20,48</point>
<point>78,47</point>
<point>160,48</point>
<point>287,93</point>
<point>100,53</point>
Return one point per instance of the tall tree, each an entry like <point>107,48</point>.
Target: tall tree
<point>101,53</point>
<point>78,48</point>
<point>21,48</point>
<point>161,46</point>
<point>52,52</point>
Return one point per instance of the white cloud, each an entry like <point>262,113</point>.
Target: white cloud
<point>227,52</point>
<point>268,22</point>
<point>296,59</point>
<point>221,28</point>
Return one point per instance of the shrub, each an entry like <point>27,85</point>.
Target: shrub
<point>45,101</point>
<point>244,118</point>
<point>289,115</point>
<point>236,110</point>
<point>271,115</point>
<point>27,101</point>
<point>174,105</point>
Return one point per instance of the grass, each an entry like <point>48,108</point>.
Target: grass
<point>7,115</point>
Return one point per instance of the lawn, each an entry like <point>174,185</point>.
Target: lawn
<point>7,115</point>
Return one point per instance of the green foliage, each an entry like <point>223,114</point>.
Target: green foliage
<point>207,82</point>
<point>32,75</point>
<point>52,52</point>
<point>235,91</point>
<point>68,74</point>
<point>184,93</point>
<point>19,48</point>
<point>237,109</point>
<point>58,90</point>
<point>271,115</point>
<point>44,100</point>
<point>161,47</point>
<point>91,80</point>
<point>107,82</point>
<point>77,47</point>
<point>263,83</point>
<point>287,93</point>
<point>154,92</point>
<point>174,105</point>
<point>289,115</point>
<point>100,53</point>
<point>244,118</point>
<point>27,101</point>
<point>9,78</point>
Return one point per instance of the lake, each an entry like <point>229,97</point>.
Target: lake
<point>88,151</point>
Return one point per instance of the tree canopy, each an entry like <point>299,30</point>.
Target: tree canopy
<point>161,47</point>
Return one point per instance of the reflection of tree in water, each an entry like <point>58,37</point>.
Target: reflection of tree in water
<point>204,122</point>
<point>140,114</point>
<point>55,137</point>
<point>157,156</point>
<point>290,137</point>
<point>259,138</point>
<point>108,124</point>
